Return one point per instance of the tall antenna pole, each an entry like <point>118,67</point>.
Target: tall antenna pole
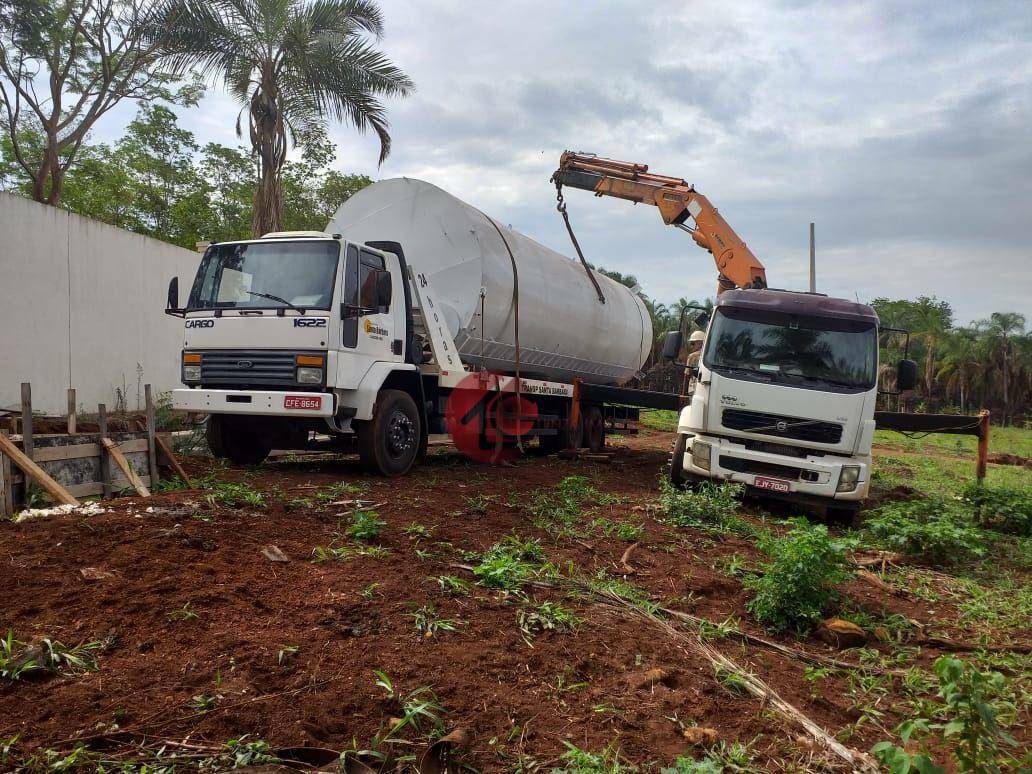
<point>813,262</point>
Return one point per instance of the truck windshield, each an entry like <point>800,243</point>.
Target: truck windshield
<point>266,275</point>
<point>793,349</point>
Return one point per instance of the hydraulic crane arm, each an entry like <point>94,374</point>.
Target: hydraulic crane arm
<point>677,202</point>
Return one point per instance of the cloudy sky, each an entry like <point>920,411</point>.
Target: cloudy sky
<point>903,129</point>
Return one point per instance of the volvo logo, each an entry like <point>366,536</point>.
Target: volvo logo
<point>781,426</point>
<point>244,364</point>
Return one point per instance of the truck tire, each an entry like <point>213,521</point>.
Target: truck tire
<point>568,437</point>
<point>594,429</point>
<point>677,476</point>
<point>213,434</point>
<point>389,444</point>
<point>236,441</point>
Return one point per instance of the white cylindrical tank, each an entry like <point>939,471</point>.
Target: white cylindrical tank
<point>564,331</point>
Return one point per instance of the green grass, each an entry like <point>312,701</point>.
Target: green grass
<point>1013,440</point>
<point>659,420</point>
<point>946,475</point>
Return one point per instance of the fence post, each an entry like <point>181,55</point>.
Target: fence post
<point>71,411</point>
<point>152,452</point>
<point>26,403</point>
<point>6,484</point>
<point>105,460</point>
<point>983,445</point>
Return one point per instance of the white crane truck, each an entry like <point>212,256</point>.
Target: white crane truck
<point>784,393</point>
<point>386,330</point>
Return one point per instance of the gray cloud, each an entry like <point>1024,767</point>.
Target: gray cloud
<point>900,128</point>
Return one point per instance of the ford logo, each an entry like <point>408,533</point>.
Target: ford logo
<point>781,426</point>
<point>244,364</point>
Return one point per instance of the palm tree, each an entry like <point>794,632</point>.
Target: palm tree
<point>1001,329</point>
<point>960,363</point>
<point>929,319</point>
<point>292,64</point>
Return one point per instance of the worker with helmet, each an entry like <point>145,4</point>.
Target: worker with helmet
<point>691,370</point>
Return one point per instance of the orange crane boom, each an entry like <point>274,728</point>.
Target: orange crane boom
<point>677,202</point>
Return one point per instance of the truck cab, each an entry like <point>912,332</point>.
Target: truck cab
<point>294,334</point>
<point>784,398</point>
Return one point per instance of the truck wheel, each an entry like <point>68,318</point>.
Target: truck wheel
<point>213,434</point>
<point>594,429</point>
<point>567,438</point>
<point>677,477</point>
<point>389,444</point>
<point>240,444</point>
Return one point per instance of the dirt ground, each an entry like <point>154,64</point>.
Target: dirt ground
<point>188,606</point>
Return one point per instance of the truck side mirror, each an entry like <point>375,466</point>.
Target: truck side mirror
<point>906,375</point>
<point>702,320</point>
<point>172,304</point>
<point>384,290</point>
<point>672,345</point>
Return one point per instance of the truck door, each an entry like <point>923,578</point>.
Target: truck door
<point>371,331</point>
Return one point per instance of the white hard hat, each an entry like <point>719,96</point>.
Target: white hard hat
<point>697,336</point>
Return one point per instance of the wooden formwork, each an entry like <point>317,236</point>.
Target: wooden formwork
<point>78,464</point>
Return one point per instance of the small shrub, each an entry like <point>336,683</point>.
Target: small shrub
<point>451,585</point>
<point>975,707</point>
<point>608,761</point>
<point>557,509</point>
<point>365,525</point>
<point>547,617</point>
<point>930,528</point>
<point>509,563</point>
<point>348,552</point>
<point>709,504</point>
<point>234,495</point>
<point>429,623</point>
<point>1002,509</point>
<point>799,582</point>
<point>21,659</point>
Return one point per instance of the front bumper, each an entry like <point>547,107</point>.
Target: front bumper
<point>255,402</point>
<point>809,476</point>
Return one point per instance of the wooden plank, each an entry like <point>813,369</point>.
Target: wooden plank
<point>171,458</point>
<point>56,491</point>
<point>80,450</point>
<point>152,455</point>
<point>123,463</point>
<point>105,459</point>
<point>94,488</point>
<point>72,419</point>
<point>6,484</point>
<point>26,428</point>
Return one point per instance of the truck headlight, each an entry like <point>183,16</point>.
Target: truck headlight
<point>701,455</point>
<point>848,478</point>
<point>191,368</point>
<point>309,376</point>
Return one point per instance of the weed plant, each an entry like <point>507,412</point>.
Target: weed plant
<point>798,584</point>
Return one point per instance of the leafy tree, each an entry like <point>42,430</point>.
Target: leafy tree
<point>292,65</point>
<point>90,54</point>
<point>311,191</point>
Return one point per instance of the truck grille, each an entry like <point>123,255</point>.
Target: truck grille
<point>248,368</point>
<point>782,427</point>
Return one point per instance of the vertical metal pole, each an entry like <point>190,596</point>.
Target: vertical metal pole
<point>26,402</point>
<point>72,420</point>
<point>6,484</point>
<point>152,453</point>
<point>983,445</point>
<point>813,262</point>
<point>105,459</point>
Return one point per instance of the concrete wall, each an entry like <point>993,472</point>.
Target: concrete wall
<point>82,305</point>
